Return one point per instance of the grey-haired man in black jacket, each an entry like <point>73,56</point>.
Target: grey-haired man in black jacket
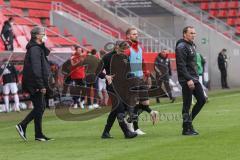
<point>188,78</point>
<point>36,71</point>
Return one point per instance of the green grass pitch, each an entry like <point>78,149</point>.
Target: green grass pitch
<point>218,125</point>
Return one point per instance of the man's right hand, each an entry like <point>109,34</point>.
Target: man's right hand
<point>190,84</point>
<point>109,78</point>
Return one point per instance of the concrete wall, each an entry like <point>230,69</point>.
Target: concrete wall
<point>80,29</point>
<point>104,14</point>
<point>215,42</point>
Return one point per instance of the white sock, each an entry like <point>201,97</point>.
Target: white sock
<point>6,101</point>
<point>16,100</point>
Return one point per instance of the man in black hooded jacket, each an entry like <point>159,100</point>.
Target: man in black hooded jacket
<point>188,78</point>
<point>36,71</point>
<point>7,34</point>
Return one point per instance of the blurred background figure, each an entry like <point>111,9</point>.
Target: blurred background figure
<point>102,91</point>
<point>10,80</point>
<point>163,73</point>
<point>78,75</point>
<point>200,69</point>
<point>7,34</point>
<point>92,82</point>
<point>222,65</point>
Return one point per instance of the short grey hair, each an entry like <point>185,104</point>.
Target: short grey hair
<point>36,30</point>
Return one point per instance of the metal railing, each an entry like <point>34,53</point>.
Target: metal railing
<point>206,18</point>
<point>59,6</point>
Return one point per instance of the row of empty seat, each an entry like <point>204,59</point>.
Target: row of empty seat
<point>226,10</point>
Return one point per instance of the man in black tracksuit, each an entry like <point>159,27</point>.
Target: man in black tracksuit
<point>118,106</point>
<point>188,78</point>
<point>7,34</point>
<point>36,73</point>
<point>222,65</point>
<point>163,73</point>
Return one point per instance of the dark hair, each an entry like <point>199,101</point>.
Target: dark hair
<point>76,47</point>
<point>185,29</point>
<point>224,50</point>
<point>129,30</point>
<point>10,19</point>
<point>93,51</point>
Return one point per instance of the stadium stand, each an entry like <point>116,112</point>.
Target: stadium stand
<point>227,11</point>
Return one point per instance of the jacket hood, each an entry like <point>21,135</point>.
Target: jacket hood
<point>32,43</point>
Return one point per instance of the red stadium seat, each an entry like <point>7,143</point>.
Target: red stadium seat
<point>223,5</point>
<point>204,6</point>
<point>30,5</point>
<point>222,14</point>
<point>231,21</point>
<point>233,4</point>
<point>213,5</point>
<point>232,13</point>
<point>213,13</point>
<point>38,13</point>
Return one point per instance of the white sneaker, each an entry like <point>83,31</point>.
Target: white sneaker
<point>75,106</point>
<point>139,132</point>
<point>130,126</point>
<point>90,107</point>
<point>95,105</point>
<point>81,104</point>
<point>154,116</point>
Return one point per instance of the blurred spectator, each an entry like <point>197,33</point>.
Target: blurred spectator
<point>200,69</point>
<point>7,34</point>
<point>163,73</point>
<point>53,85</point>
<point>102,91</point>
<point>78,74</point>
<point>92,62</point>
<point>10,80</point>
<point>222,65</point>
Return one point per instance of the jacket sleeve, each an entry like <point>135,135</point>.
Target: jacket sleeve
<point>181,59</point>
<point>99,72</point>
<point>36,64</point>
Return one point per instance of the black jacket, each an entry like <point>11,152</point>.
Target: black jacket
<point>36,70</point>
<point>162,67</point>
<point>185,59</point>
<point>222,61</point>
<point>9,73</point>
<point>7,32</point>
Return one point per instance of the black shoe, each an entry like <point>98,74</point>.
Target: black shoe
<point>157,100</point>
<point>173,100</point>
<point>106,135</point>
<point>129,135</point>
<point>21,131</point>
<point>193,130</point>
<point>189,132</point>
<point>43,139</point>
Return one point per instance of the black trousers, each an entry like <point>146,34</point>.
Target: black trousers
<point>9,47</point>
<point>39,104</point>
<point>187,94</point>
<point>78,82</point>
<point>118,111</point>
<point>224,78</point>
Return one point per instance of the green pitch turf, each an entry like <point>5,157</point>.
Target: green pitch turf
<point>218,125</point>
